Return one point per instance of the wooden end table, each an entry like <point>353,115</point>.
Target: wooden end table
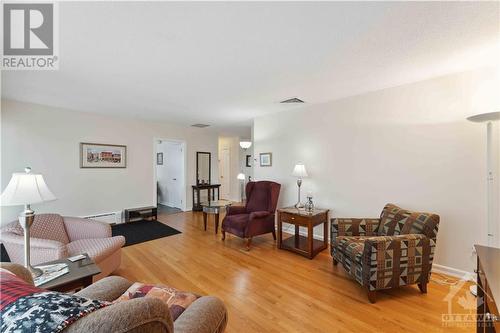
<point>80,275</point>
<point>306,246</point>
<point>214,207</point>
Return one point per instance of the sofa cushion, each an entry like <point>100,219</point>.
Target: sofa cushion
<point>396,221</point>
<point>45,226</point>
<point>97,248</point>
<point>177,301</point>
<point>391,220</point>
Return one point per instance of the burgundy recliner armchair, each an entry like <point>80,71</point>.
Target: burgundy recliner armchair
<point>257,217</point>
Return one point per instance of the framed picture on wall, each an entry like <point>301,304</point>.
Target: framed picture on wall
<point>99,155</point>
<point>266,159</point>
<point>249,161</point>
<point>159,158</point>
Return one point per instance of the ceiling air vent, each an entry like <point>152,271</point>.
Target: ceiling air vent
<point>292,100</point>
<point>200,125</point>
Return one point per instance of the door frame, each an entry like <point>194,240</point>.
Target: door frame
<point>183,193</point>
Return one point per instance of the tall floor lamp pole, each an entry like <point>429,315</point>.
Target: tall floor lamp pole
<point>492,236</point>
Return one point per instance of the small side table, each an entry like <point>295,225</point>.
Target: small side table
<point>214,207</point>
<point>79,276</point>
<point>306,246</point>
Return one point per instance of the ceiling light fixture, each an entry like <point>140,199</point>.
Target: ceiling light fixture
<point>245,144</point>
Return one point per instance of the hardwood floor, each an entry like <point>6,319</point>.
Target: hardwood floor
<point>271,290</point>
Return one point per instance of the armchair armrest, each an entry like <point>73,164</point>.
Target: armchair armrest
<point>354,227</point>
<point>233,210</point>
<point>79,228</point>
<point>42,250</point>
<point>259,215</point>
<point>107,289</point>
<point>392,261</point>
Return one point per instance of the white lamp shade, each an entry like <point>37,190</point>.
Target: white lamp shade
<point>245,144</point>
<point>24,189</point>
<point>300,171</point>
<point>241,176</point>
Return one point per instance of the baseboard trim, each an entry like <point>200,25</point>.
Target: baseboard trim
<point>454,272</point>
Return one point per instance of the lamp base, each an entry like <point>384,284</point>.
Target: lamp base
<point>299,205</point>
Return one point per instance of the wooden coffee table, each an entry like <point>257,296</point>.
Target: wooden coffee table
<point>79,276</point>
<point>214,207</point>
<point>306,246</point>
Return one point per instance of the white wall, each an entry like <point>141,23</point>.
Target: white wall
<point>47,139</point>
<point>170,174</point>
<point>409,145</point>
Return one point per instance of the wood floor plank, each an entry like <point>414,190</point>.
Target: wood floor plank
<point>272,290</point>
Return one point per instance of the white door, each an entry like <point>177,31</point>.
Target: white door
<point>224,173</point>
<point>175,165</point>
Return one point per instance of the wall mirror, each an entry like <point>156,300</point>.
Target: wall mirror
<point>203,168</point>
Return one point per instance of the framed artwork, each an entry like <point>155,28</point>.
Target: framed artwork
<point>266,159</point>
<point>249,161</point>
<point>159,158</point>
<point>99,155</point>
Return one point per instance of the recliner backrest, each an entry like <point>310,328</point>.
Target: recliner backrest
<point>262,196</point>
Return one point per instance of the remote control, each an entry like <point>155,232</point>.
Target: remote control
<point>76,258</point>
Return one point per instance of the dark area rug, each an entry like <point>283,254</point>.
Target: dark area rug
<point>142,231</point>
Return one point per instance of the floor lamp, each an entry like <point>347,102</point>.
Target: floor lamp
<point>241,178</point>
<point>488,118</point>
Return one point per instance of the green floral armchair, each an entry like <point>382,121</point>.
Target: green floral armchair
<point>387,252</point>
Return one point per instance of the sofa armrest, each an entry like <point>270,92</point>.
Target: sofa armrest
<point>207,314</point>
<point>407,258</point>
<point>107,289</point>
<point>79,228</point>
<point>259,215</point>
<point>233,210</point>
<point>19,271</point>
<point>145,314</point>
<point>354,227</point>
<point>42,250</point>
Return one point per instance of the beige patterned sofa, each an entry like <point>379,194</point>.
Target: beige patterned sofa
<point>207,314</point>
<point>55,237</point>
<point>394,250</point>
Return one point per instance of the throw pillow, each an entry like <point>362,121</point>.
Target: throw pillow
<point>177,301</point>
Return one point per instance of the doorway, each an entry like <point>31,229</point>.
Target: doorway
<point>170,183</point>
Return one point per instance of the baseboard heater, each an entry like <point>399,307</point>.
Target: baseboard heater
<point>111,218</point>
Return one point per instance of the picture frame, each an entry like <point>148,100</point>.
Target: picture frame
<point>266,159</point>
<point>249,161</point>
<point>159,158</point>
<point>102,156</point>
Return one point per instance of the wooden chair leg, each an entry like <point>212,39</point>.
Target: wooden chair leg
<point>335,262</point>
<point>372,295</point>
<point>274,234</point>
<point>223,234</point>
<point>423,287</point>
<point>248,243</point>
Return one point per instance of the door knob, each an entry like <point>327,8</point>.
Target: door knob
<point>174,179</point>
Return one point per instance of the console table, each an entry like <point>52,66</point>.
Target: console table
<point>488,289</point>
<point>210,188</point>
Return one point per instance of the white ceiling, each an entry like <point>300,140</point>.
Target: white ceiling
<point>226,63</point>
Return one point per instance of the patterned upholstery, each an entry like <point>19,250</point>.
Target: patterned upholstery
<point>55,237</point>
<point>389,252</point>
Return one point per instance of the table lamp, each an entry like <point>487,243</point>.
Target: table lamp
<point>300,172</point>
<point>25,189</point>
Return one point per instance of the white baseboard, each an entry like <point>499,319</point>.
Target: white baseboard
<point>454,272</point>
